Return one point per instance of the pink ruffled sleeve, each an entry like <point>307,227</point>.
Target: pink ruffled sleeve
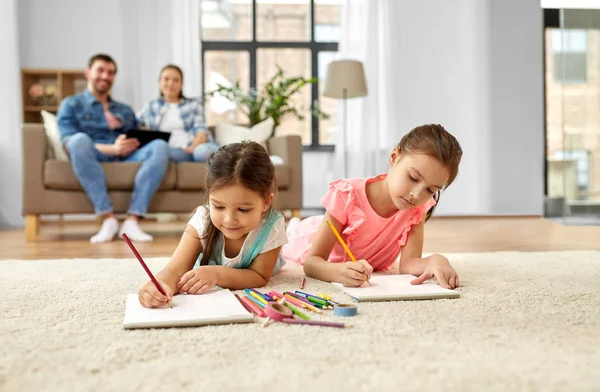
<point>336,200</point>
<point>416,218</point>
<point>341,203</point>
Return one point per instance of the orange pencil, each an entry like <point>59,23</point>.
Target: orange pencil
<point>339,237</point>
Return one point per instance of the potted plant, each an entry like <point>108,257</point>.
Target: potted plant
<point>273,101</point>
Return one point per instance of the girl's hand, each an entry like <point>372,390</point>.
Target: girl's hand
<point>150,297</point>
<point>188,149</point>
<point>440,268</point>
<point>199,280</point>
<point>355,274</point>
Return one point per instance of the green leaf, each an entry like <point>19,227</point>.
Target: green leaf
<point>274,99</point>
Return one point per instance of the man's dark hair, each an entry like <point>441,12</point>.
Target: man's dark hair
<point>101,57</point>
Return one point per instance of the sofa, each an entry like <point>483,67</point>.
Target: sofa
<point>50,186</point>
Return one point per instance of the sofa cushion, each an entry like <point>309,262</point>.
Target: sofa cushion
<point>191,176</point>
<point>226,133</point>
<point>119,176</point>
<point>55,146</point>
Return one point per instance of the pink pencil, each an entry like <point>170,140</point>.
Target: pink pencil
<point>294,301</point>
<point>314,322</point>
<point>252,306</point>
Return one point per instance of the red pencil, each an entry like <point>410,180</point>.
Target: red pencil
<point>135,252</point>
<point>302,283</point>
<point>243,304</point>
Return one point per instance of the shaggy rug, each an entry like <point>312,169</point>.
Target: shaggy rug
<point>524,322</point>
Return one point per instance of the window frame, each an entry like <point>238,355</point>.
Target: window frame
<point>565,52</point>
<point>252,47</point>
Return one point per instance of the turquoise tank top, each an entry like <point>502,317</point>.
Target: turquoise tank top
<point>254,250</point>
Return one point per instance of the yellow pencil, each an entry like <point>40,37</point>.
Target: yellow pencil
<point>258,297</point>
<point>339,237</point>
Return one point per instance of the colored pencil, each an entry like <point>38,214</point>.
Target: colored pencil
<point>266,297</point>
<point>316,300</point>
<point>257,296</point>
<point>339,237</point>
<point>312,298</point>
<point>275,294</point>
<point>328,299</point>
<point>314,322</point>
<point>278,295</point>
<point>139,257</point>
<point>295,301</point>
<point>243,304</point>
<point>306,304</point>
<point>296,311</point>
<point>255,309</point>
<point>256,301</point>
<point>303,282</point>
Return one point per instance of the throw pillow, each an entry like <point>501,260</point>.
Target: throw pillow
<point>53,136</point>
<point>229,133</point>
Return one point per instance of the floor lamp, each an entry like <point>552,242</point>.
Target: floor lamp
<point>345,79</point>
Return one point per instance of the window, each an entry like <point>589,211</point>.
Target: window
<point>246,40</point>
<point>583,166</point>
<point>569,47</point>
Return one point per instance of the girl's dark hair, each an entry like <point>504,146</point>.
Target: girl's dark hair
<point>176,68</point>
<point>246,163</point>
<point>434,141</point>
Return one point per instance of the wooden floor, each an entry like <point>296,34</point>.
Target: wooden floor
<point>71,239</point>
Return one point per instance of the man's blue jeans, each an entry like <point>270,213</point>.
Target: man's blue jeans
<point>85,159</point>
<point>200,153</point>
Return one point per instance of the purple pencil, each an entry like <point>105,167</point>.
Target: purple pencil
<point>304,299</point>
<point>314,322</point>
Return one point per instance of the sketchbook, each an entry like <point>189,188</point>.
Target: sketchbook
<point>214,307</point>
<point>396,288</point>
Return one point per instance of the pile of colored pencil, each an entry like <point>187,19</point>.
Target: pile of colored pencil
<point>255,302</point>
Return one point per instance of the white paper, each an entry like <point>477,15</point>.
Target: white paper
<point>215,307</point>
<point>396,287</point>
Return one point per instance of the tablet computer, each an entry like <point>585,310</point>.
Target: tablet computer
<point>146,136</point>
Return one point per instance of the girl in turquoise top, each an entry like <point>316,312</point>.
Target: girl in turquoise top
<point>235,240</point>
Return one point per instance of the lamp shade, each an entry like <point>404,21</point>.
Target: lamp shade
<point>346,75</point>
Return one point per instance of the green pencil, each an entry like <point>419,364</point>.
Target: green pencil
<point>296,311</point>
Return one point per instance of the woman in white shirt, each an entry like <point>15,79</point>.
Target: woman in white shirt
<point>183,117</point>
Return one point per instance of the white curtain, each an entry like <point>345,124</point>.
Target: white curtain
<point>11,166</point>
<point>185,20</point>
<point>369,34</point>
<point>156,33</point>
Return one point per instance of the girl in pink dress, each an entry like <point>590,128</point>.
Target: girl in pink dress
<point>382,217</point>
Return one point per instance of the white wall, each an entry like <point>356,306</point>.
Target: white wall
<point>474,66</point>
<point>10,115</point>
<point>517,107</point>
<point>65,33</point>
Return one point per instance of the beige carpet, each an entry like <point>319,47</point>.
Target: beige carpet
<point>525,322</point>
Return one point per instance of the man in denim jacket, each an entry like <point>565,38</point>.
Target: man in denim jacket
<point>92,128</point>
